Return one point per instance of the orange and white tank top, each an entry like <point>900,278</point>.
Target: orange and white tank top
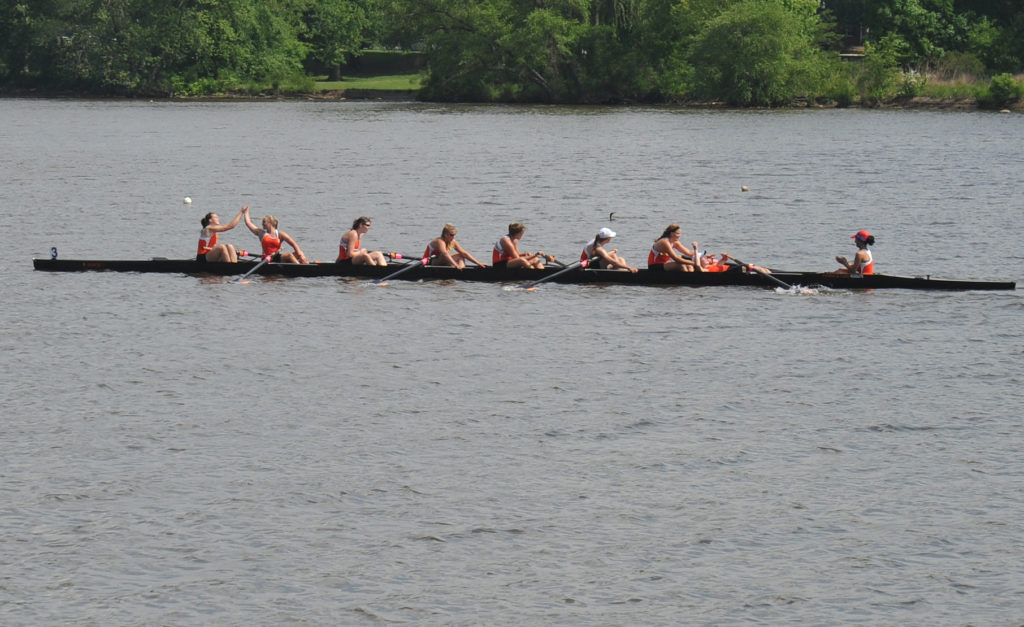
<point>656,257</point>
<point>588,251</point>
<point>499,253</point>
<point>430,250</point>
<point>343,253</point>
<point>271,245</point>
<point>205,245</point>
<point>868,267</point>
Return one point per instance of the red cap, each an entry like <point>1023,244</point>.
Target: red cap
<point>861,235</point>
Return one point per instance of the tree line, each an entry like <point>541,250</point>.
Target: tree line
<point>742,52</point>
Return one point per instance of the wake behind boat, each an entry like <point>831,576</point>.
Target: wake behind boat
<point>505,275</point>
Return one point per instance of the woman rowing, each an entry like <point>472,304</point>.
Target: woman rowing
<point>446,251</point>
<point>350,250</point>
<point>863,263</point>
<point>270,240</point>
<point>601,259</point>
<point>668,253</point>
<point>209,249</point>
<point>506,251</point>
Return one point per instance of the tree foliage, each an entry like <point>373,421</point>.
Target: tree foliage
<point>753,52</point>
<point>144,47</point>
<point>760,52</point>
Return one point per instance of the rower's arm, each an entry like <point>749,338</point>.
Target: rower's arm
<point>508,244</point>
<point>230,225</point>
<point>298,251</point>
<point>465,253</point>
<point>248,222</point>
<point>675,249</point>
<point>673,252</point>
<point>446,254</point>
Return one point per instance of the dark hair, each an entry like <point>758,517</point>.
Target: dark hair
<point>870,241</point>
<point>360,221</point>
<point>516,227</point>
<point>670,229</point>
<point>206,220</point>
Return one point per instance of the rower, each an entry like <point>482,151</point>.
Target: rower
<point>350,251</point>
<point>863,263</point>
<point>440,250</point>
<point>271,239</point>
<point>209,249</point>
<point>600,258</point>
<point>668,253</point>
<point>506,251</point>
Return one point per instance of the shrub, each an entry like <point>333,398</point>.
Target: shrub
<point>911,84</point>
<point>956,66</point>
<point>1002,90</point>
<point>840,87</point>
<point>880,70</point>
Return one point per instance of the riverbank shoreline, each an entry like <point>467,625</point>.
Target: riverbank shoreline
<point>411,95</point>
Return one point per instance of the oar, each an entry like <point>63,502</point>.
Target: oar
<point>572,266</point>
<point>408,266</point>
<point>779,282</point>
<point>242,278</point>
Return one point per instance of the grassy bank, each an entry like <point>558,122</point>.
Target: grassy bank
<point>927,91</point>
<point>394,82</point>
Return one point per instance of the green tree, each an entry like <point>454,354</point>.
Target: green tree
<point>337,30</point>
<point>496,49</point>
<point>138,47</point>
<point>759,52</point>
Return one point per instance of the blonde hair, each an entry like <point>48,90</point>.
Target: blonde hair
<point>271,219</point>
<point>516,227</point>
<point>449,228</point>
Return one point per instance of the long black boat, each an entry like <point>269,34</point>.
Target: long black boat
<point>493,275</point>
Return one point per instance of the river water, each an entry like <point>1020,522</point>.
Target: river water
<point>181,450</point>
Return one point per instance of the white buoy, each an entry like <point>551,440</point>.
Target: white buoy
<point>188,201</point>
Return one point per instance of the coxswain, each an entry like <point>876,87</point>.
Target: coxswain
<point>271,238</point>
<point>597,257</point>
<point>350,250</point>
<point>668,253</point>
<point>209,249</point>
<point>863,263</point>
<point>506,251</point>
<point>447,251</point>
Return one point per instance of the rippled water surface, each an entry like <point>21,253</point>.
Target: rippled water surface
<point>180,450</point>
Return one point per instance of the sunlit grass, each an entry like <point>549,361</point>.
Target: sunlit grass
<point>936,88</point>
<point>396,82</point>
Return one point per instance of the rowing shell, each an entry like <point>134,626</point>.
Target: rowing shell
<point>493,275</point>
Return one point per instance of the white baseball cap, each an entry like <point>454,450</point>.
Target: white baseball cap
<point>605,232</point>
